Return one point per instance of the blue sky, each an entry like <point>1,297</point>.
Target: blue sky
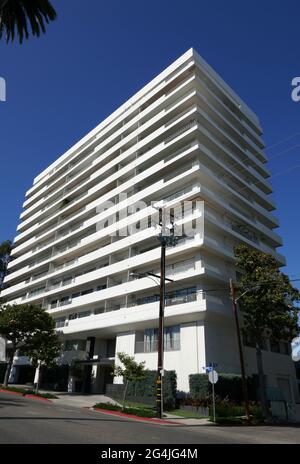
<point>97,54</point>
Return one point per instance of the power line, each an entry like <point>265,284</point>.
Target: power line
<point>283,151</point>
<point>255,183</point>
<point>244,169</point>
<point>283,140</point>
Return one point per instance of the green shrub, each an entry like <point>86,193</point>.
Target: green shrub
<point>2,371</point>
<point>229,409</point>
<point>141,412</point>
<point>228,386</point>
<point>169,390</point>
<point>145,390</point>
<point>199,386</point>
<point>25,391</point>
<point>226,409</point>
<point>228,420</point>
<point>108,406</point>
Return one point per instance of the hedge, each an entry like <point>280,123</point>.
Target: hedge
<point>145,390</point>
<point>2,371</point>
<point>228,385</point>
<point>232,410</point>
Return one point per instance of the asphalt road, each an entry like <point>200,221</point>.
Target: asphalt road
<point>24,420</point>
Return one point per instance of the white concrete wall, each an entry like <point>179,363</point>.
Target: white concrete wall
<point>221,346</point>
<point>276,366</point>
<point>188,360</point>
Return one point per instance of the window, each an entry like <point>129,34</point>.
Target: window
<point>65,300</point>
<point>89,270</point>
<point>150,340</point>
<point>101,287</point>
<point>71,345</point>
<point>86,292</point>
<point>59,322</point>
<point>37,291</point>
<point>84,314</point>
<point>67,281</point>
<point>76,295</point>
<point>150,343</point>
<point>99,311</point>
<point>175,297</point>
<point>172,338</point>
<point>73,316</point>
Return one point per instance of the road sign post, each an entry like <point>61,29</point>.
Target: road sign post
<point>213,378</point>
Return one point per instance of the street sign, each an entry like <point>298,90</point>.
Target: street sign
<point>208,369</point>
<point>295,345</point>
<point>213,376</point>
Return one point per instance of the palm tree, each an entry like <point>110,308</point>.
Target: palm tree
<point>5,250</point>
<point>18,15</point>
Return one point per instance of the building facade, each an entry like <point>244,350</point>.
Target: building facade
<point>184,137</point>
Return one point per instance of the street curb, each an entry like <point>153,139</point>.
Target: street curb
<point>25,395</point>
<point>41,398</point>
<point>11,392</point>
<point>132,416</point>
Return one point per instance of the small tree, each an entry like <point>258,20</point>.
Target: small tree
<point>28,327</point>
<point>43,351</point>
<point>131,371</point>
<point>267,301</point>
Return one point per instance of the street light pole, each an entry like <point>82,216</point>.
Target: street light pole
<point>242,364</point>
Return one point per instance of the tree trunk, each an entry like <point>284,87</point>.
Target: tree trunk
<point>38,378</point>
<point>8,369</point>
<point>262,384</point>
<point>124,394</point>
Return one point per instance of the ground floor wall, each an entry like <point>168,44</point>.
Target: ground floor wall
<point>280,374</point>
<point>205,342</point>
<point>201,342</point>
<point>189,359</point>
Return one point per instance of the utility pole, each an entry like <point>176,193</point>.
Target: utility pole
<point>244,381</point>
<point>164,240</point>
<point>160,347</point>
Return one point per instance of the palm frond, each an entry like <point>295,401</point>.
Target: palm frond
<point>16,16</point>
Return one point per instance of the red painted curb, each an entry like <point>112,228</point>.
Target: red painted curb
<point>11,392</point>
<point>25,395</point>
<point>132,416</point>
<point>38,398</point>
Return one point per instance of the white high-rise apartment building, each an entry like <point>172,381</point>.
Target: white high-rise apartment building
<point>184,136</point>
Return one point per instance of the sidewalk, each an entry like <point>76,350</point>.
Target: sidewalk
<point>184,421</point>
<point>79,400</point>
<point>74,399</point>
